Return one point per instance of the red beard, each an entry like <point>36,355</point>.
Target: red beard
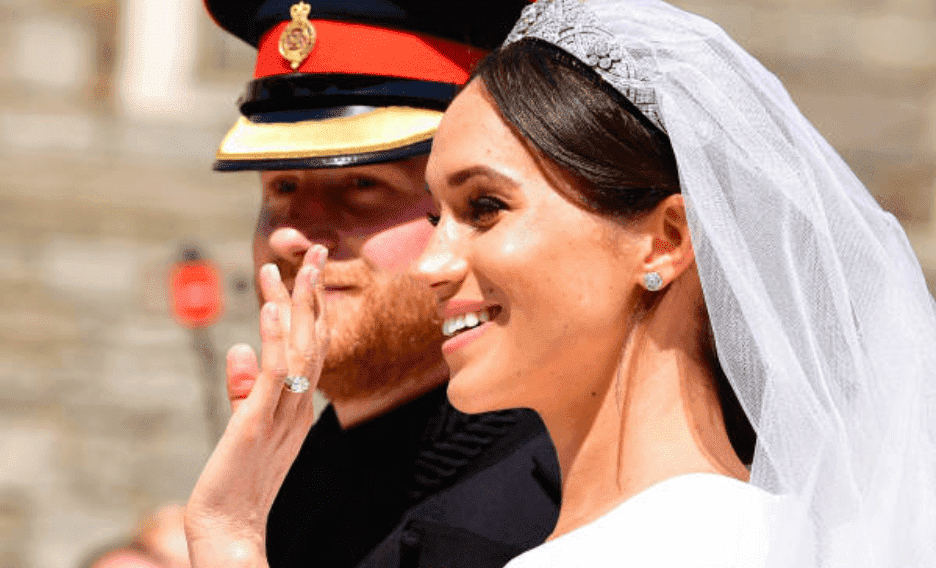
<point>384,329</point>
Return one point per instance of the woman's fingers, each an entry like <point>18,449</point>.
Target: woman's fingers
<point>300,349</point>
<point>321,328</point>
<point>242,373</point>
<point>273,363</point>
<point>305,352</point>
<point>273,290</point>
<point>292,334</point>
<point>233,495</point>
<point>265,433</point>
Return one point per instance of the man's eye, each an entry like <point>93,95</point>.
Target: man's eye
<point>364,183</point>
<point>364,194</point>
<point>285,187</point>
<point>369,197</point>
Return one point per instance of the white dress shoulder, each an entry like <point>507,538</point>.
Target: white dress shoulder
<point>697,520</point>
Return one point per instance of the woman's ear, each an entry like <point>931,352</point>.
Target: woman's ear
<point>669,246</point>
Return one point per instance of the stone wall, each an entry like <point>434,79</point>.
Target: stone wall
<point>101,409</point>
<point>102,412</point>
<point>104,174</point>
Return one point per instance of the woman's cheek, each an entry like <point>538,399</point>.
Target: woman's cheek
<point>397,247</point>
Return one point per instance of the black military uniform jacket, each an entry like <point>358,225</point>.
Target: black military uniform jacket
<point>423,486</point>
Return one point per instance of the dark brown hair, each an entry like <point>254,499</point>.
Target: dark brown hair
<point>624,163</point>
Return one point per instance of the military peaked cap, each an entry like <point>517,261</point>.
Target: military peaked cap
<point>341,83</point>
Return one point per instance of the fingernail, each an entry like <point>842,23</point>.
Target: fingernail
<point>313,276</point>
<point>305,272</point>
<point>272,270</point>
<point>323,256</point>
<point>269,310</point>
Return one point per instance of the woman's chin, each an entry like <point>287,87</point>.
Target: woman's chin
<point>473,396</point>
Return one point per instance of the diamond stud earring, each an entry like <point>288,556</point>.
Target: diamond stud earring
<point>653,281</point>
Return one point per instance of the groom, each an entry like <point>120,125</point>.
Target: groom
<point>339,121</point>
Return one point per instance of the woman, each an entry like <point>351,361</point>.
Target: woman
<point>620,185</point>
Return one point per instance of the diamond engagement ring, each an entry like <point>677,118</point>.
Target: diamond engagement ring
<point>297,384</point>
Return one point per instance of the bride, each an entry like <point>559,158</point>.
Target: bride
<point>640,237</point>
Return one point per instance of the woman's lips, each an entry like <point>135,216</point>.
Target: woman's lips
<point>466,321</point>
<point>454,308</point>
<point>463,338</point>
<point>458,322</point>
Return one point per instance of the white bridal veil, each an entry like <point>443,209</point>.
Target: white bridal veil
<point>822,318</point>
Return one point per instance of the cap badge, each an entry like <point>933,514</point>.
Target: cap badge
<point>298,38</point>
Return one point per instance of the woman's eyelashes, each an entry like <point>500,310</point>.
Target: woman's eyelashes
<point>483,210</point>
<point>433,214</point>
<point>480,211</point>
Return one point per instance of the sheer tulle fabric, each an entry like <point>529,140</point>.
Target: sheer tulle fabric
<point>822,318</point>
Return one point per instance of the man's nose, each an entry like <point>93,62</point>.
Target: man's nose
<point>290,244</point>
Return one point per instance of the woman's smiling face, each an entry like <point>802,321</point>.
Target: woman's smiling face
<point>535,290</point>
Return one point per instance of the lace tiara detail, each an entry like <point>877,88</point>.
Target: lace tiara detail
<point>569,24</point>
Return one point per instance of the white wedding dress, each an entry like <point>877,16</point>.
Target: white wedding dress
<point>698,520</point>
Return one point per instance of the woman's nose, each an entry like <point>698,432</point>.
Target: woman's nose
<point>440,266</point>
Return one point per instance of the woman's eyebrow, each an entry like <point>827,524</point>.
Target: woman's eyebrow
<point>462,176</point>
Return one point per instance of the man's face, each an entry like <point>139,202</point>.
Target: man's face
<point>373,221</point>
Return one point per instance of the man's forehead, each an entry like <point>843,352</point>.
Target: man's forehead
<point>406,172</point>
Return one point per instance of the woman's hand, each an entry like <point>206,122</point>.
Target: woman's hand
<point>225,519</point>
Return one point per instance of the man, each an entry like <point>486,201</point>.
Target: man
<point>339,121</point>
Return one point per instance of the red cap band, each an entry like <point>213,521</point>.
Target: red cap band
<point>358,49</point>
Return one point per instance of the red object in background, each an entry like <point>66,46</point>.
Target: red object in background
<point>196,293</point>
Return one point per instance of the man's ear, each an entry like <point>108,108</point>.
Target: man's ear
<point>669,248</point>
